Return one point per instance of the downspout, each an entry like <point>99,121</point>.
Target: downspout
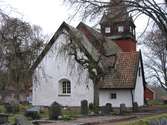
<point>132,98</point>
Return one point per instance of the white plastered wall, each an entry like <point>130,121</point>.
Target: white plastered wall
<point>138,92</point>
<point>53,68</point>
<point>123,96</point>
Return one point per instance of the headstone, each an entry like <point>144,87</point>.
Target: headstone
<point>163,121</point>
<point>84,107</point>
<point>55,111</point>
<point>3,118</point>
<point>153,122</point>
<point>21,120</point>
<point>135,107</point>
<point>33,112</point>
<point>123,108</point>
<point>107,109</point>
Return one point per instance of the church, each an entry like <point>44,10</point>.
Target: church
<point>55,80</point>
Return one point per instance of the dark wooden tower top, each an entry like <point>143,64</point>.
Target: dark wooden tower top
<point>116,22</point>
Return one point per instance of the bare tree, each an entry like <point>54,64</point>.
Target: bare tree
<point>156,60</point>
<point>84,56</point>
<point>19,47</point>
<point>155,10</point>
<point>75,51</point>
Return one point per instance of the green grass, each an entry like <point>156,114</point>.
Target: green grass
<point>68,114</point>
<point>154,102</point>
<point>44,113</point>
<point>2,109</point>
<point>144,121</point>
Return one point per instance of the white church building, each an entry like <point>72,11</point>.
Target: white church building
<point>54,79</point>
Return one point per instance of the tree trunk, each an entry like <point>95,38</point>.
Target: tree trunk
<point>96,96</point>
<point>18,89</point>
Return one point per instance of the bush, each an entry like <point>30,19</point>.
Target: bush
<point>2,109</point>
<point>66,117</point>
<point>12,107</point>
<point>91,107</point>
<point>54,111</point>
<point>154,102</point>
<point>23,107</point>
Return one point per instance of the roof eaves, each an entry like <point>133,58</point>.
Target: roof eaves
<point>47,47</point>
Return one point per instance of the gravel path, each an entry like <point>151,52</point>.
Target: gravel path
<point>90,120</point>
<point>108,120</point>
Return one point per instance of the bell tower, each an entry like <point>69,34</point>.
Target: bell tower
<point>118,25</point>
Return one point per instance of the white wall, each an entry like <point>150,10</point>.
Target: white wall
<point>54,68</point>
<point>123,96</point>
<point>139,88</point>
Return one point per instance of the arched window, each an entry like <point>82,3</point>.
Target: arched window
<point>65,87</point>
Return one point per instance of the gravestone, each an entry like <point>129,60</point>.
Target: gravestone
<point>123,108</point>
<point>135,107</point>
<point>21,120</point>
<point>33,112</point>
<point>163,121</point>
<point>154,122</point>
<point>107,109</point>
<point>55,111</point>
<point>3,118</point>
<point>84,107</point>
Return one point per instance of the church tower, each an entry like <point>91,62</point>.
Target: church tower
<point>117,25</point>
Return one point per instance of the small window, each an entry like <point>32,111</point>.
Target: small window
<point>65,87</point>
<point>120,29</point>
<point>107,30</point>
<point>113,96</point>
<point>139,71</point>
<point>131,29</point>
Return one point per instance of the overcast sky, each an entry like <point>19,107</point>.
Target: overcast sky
<point>49,14</point>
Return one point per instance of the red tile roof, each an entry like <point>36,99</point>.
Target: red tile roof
<point>123,74</point>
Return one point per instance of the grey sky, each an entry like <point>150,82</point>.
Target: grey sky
<point>48,14</point>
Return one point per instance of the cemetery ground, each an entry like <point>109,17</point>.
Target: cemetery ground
<point>73,117</point>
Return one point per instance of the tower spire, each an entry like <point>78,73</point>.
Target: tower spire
<point>117,10</point>
<point>117,25</point>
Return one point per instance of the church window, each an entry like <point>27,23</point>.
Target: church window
<point>107,30</point>
<point>113,95</point>
<point>65,87</point>
<point>120,29</point>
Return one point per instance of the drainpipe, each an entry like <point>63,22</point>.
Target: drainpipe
<point>132,98</point>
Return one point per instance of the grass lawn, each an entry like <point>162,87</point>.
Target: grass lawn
<point>144,121</point>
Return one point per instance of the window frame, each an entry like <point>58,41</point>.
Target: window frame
<point>120,29</point>
<point>107,29</point>
<point>113,96</point>
<point>64,87</point>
